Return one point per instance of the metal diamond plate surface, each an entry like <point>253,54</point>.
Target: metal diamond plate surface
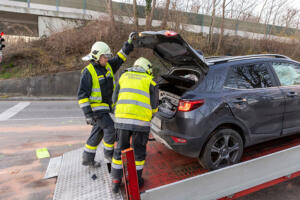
<point>53,167</point>
<point>75,181</point>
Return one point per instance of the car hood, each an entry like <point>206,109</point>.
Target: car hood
<point>170,47</point>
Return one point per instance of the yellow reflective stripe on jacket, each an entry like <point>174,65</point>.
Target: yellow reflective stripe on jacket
<point>90,147</point>
<point>153,83</point>
<point>99,106</point>
<point>109,69</point>
<point>83,100</point>
<point>134,102</point>
<point>94,105</point>
<point>96,95</point>
<point>137,91</point>
<point>122,55</point>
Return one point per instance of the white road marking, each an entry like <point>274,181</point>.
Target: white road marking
<point>13,111</point>
<point>46,118</point>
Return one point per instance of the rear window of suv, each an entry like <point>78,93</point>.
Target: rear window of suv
<point>249,76</point>
<point>287,73</point>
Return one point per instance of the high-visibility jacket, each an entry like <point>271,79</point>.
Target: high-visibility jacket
<point>134,108</point>
<point>95,99</point>
<point>88,90</point>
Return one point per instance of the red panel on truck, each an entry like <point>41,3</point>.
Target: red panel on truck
<point>164,166</point>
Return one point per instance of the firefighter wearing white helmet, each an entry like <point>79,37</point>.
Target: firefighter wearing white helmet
<point>95,97</point>
<point>135,101</point>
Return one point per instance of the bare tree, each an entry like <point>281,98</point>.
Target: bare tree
<point>224,5</point>
<point>290,14</point>
<point>241,10</point>
<point>150,17</point>
<point>147,12</point>
<point>165,16</point>
<point>262,10</point>
<point>111,15</point>
<point>280,5</point>
<point>135,17</point>
<point>212,22</point>
<point>269,12</point>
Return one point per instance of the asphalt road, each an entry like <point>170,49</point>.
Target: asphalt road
<point>60,126</point>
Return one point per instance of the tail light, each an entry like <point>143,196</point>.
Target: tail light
<point>170,33</point>
<point>186,105</point>
<point>178,140</point>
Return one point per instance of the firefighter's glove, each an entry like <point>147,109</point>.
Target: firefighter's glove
<point>127,47</point>
<point>132,36</point>
<point>90,121</point>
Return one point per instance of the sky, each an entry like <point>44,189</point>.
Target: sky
<point>295,3</point>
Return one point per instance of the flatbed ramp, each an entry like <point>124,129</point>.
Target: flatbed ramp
<point>78,182</point>
<point>168,174</point>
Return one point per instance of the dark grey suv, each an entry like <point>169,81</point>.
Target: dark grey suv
<point>215,107</point>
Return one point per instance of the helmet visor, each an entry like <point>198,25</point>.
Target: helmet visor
<point>107,55</point>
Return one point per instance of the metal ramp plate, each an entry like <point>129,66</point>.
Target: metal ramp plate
<point>53,167</point>
<point>75,181</point>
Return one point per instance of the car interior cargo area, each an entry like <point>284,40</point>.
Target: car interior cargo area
<point>173,86</point>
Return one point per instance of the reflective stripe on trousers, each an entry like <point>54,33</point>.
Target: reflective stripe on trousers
<point>90,149</point>
<point>139,164</point>
<point>108,146</point>
<point>117,164</point>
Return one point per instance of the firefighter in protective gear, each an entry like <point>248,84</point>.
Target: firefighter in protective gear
<point>95,97</point>
<point>136,101</point>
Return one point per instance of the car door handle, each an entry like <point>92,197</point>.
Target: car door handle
<point>292,94</point>
<point>239,100</point>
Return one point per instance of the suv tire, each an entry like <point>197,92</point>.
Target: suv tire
<point>224,148</point>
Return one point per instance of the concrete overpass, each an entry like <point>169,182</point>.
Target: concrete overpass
<point>41,17</point>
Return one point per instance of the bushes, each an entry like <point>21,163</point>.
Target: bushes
<point>63,51</point>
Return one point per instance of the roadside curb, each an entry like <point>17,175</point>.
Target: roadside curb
<point>24,98</point>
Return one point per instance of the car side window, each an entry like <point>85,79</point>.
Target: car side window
<point>249,76</point>
<point>288,73</point>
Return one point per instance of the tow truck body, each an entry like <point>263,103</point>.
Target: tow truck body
<point>169,175</point>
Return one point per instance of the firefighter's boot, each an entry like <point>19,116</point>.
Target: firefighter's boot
<point>116,186</point>
<point>88,160</point>
<point>141,182</point>
<point>140,179</point>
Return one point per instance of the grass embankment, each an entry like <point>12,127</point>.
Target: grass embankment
<point>63,51</point>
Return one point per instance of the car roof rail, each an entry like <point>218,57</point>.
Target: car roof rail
<point>215,57</point>
<point>222,59</point>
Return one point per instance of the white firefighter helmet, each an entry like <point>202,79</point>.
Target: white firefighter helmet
<point>98,49</point>
<point>144,63</point>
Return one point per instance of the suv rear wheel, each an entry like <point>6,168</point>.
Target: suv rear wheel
<point>224,148</point>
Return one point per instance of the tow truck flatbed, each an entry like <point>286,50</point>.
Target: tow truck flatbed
<point>164,166</point>
<point>166,171</point>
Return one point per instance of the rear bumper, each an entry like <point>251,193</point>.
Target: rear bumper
<point>191,148</point>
